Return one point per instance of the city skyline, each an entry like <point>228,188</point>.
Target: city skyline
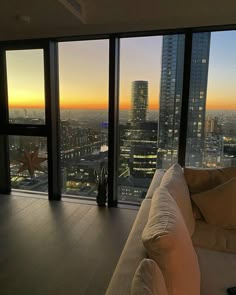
<point>93,59</point>
<point>148,136</point>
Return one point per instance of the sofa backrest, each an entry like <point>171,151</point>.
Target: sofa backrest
<point>200,180</point>
<point>175,182</point>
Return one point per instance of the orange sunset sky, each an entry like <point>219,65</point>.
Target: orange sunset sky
<point>83,73</point>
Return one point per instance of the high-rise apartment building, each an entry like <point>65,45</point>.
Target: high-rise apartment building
<point>142,134</point>
<point>143,154</point>
<point>139,102</point>
<point>138,148</point>
<point>197,99</point>
<point>212,126</point>
<point>171,98</point>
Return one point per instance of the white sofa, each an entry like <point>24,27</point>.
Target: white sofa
<point>214,247</point>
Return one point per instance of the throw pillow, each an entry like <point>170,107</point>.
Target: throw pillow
<point>213,237</point>
<point>176,184</point>
<point>196,213</point>
<point>218,204</point>
<point>148,279</point>
<point>200,180</point>
<point>167,241</point>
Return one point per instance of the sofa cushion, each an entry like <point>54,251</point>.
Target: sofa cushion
<point>168,242</point>
<point>148,279</point>
<point>176,184</point>
<point>213,237</point>
<point>200,180</point>
<point>196,213</point>
<point>218,204</point>
<point>156,180</point>
<point>218,271</point>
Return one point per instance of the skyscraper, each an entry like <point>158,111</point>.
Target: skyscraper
<point>138,148</point>
<point>139,102</point>
<point>197,99</point>
<point>142,134</point>
<point>171,98</point>
<point>143,150</point>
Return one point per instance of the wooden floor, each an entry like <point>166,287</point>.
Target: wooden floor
<point>59,247</point>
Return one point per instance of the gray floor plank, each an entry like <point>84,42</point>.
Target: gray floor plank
<point>59,247</point>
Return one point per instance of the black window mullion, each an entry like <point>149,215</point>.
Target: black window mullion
<point>185,98</point>
<point>52,119</point>
<point>5,183</point>
<point>49,130</point>
<point>114,49</point>
<point>22,129</point>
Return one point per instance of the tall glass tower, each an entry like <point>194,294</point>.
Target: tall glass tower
<point>171,99</point>
<point>139,102</point>
<point>139,138</point>
<point>197,99</point>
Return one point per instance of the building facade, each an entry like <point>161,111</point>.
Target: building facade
<point>139,102</point>
<point>138,147</point>
<point>197,99</point>
<point>171,99</point>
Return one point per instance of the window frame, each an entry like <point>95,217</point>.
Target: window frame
<point>50,129</point>
<point>52,110</point>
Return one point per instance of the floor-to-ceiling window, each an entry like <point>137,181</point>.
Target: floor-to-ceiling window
<point>26,105</point>
<point>151,78</point>
<point>211,138</point>
<point>151,88</point>
<point>83,80</point>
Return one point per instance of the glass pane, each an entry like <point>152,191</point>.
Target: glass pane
<point>151,75</point>
<point>211,140</point>
<point>83,71</point>
<point>28,163</point>
<point>25,80</point>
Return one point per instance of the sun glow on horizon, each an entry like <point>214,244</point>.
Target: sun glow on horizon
<point>84,73</point>
<point>93,106</point>
<point>25,78</point>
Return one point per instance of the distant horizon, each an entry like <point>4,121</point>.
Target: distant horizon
<point>106,109</point>
<point>102,107</point>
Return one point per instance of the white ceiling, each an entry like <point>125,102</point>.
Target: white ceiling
<point>49,18</point>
